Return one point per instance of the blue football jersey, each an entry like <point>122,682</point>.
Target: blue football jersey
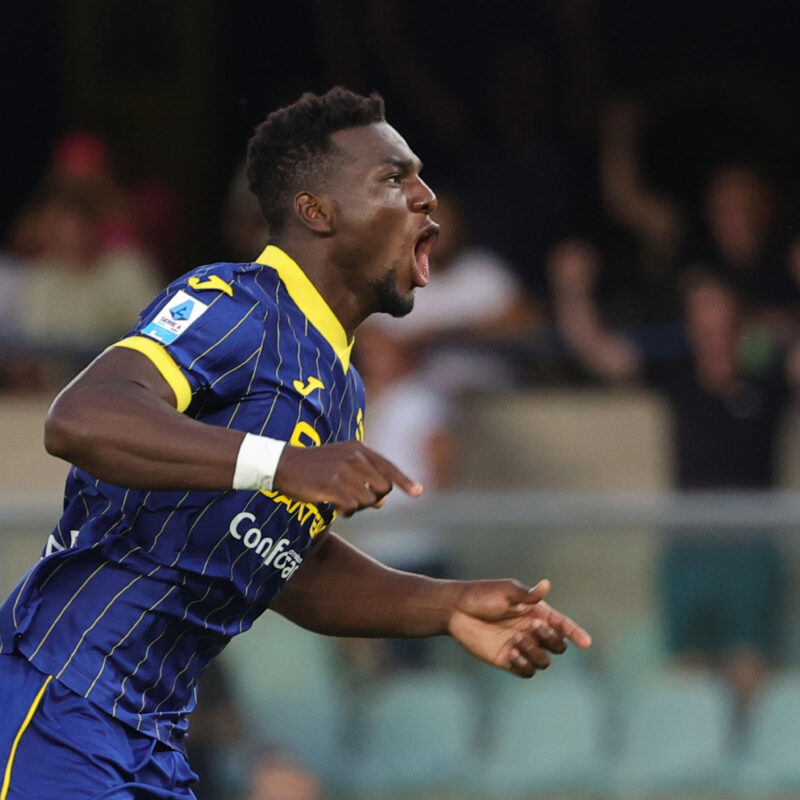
<point>137,590</point>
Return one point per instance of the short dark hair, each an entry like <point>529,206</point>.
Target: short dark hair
<point>291,149</point>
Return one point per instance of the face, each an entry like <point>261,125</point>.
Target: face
<point>383,232</point>
<point>68,233</point>
<point>739,207</point>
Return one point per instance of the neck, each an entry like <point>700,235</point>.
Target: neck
<point>328,277</point>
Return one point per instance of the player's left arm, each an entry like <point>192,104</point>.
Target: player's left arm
<point>340,591</point>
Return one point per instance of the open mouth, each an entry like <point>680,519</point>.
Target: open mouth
<point>422,251</point>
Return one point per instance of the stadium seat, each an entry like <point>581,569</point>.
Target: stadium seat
<point>286,685</point>
<point>418,734</point>
<point>635,653</point>
<point>771,759</point>
<point>675,735</point>
<point>546,736</point>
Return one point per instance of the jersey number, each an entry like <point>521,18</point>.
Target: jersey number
<point>304,435</point>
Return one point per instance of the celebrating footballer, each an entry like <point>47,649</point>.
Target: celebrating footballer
<point>211,449</point>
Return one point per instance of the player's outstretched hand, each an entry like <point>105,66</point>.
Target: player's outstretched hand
<point>347,474</point>
<point>511,627</point>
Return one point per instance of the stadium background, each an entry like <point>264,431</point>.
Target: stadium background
<point>557,474</point>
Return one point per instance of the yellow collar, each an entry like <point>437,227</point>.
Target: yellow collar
<point>309,301</point>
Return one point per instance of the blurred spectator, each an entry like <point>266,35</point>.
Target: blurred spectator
<point>145,217</point>
<point>74,291</point>
<point>82,162</point>
<point>79,265</point>
<point>655,219</point>
<point>719,587</point>
<point>473,306</point>
<point>737,237</point>
<point>80,289</point>
<point>243,228</point>
<point>408,421</point>
<point>160,224</point>
<point>743,246</point>
<point>275,776</point>
<point>574,270</point>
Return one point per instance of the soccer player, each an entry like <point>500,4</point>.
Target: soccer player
<point>211,449</point>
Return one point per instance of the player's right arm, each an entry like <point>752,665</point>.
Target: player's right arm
<point>118,421</point>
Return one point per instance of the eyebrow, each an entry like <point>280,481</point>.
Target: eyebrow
<point>404,164</point>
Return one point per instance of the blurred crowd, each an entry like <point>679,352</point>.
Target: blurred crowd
<point>561,262</point>
<point>82,259</point>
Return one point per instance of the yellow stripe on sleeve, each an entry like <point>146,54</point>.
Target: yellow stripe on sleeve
<point>165,364</point>
<point>25,723</point>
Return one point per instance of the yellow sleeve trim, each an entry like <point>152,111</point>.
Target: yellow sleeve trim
<point>27,721</point>
<point>165,364</point>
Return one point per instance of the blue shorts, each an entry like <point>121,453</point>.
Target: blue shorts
<point>55,745</point>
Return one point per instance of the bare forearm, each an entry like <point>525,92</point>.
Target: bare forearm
<point>133,438</point>
<point>605,353</point>
<point>340,591</point>
<point>626,197</point>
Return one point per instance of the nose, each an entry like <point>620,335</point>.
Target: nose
<point>423,199</point>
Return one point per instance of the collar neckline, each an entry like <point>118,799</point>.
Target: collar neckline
<point>308,299</point>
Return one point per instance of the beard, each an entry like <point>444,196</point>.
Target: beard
<point>389,298</point>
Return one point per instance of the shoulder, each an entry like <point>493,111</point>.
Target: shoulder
<point>223,284</point>
<point>210,298</point>
<point>220,278</point>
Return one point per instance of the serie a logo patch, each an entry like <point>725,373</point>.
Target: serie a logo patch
<point>172,319</point>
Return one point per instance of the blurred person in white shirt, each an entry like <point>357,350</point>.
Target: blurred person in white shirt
<point>473,306</point>
<point>407,419</point>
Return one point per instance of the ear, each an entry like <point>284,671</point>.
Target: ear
<point>315,212</point>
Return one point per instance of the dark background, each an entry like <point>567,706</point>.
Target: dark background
<point>177,86</point>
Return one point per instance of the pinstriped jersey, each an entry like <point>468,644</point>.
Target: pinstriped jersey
<point>137,590</point>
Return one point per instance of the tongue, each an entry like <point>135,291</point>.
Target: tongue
<point>422,263</point>
<point>423,267</point>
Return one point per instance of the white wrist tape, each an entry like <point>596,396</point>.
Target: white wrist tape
<point>257,462</point>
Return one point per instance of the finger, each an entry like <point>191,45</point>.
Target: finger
<point>565,626</point>
<point>356,489</point>
<point>363,493</point>
<point>359,469</point>
<point>529,648</point>
<point>374,481</point>
<point>338,499</point>
<point>524,599</point>
<point>548,638</point>
<point>347,506</point>
<point>345,496</point>
<point>540,591</point>
<point>393,474</point>
<point>519,664</point>
<point>350,498</point>
<point>357,500</point>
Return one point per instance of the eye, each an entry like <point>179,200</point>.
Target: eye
<point>395,178</point>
